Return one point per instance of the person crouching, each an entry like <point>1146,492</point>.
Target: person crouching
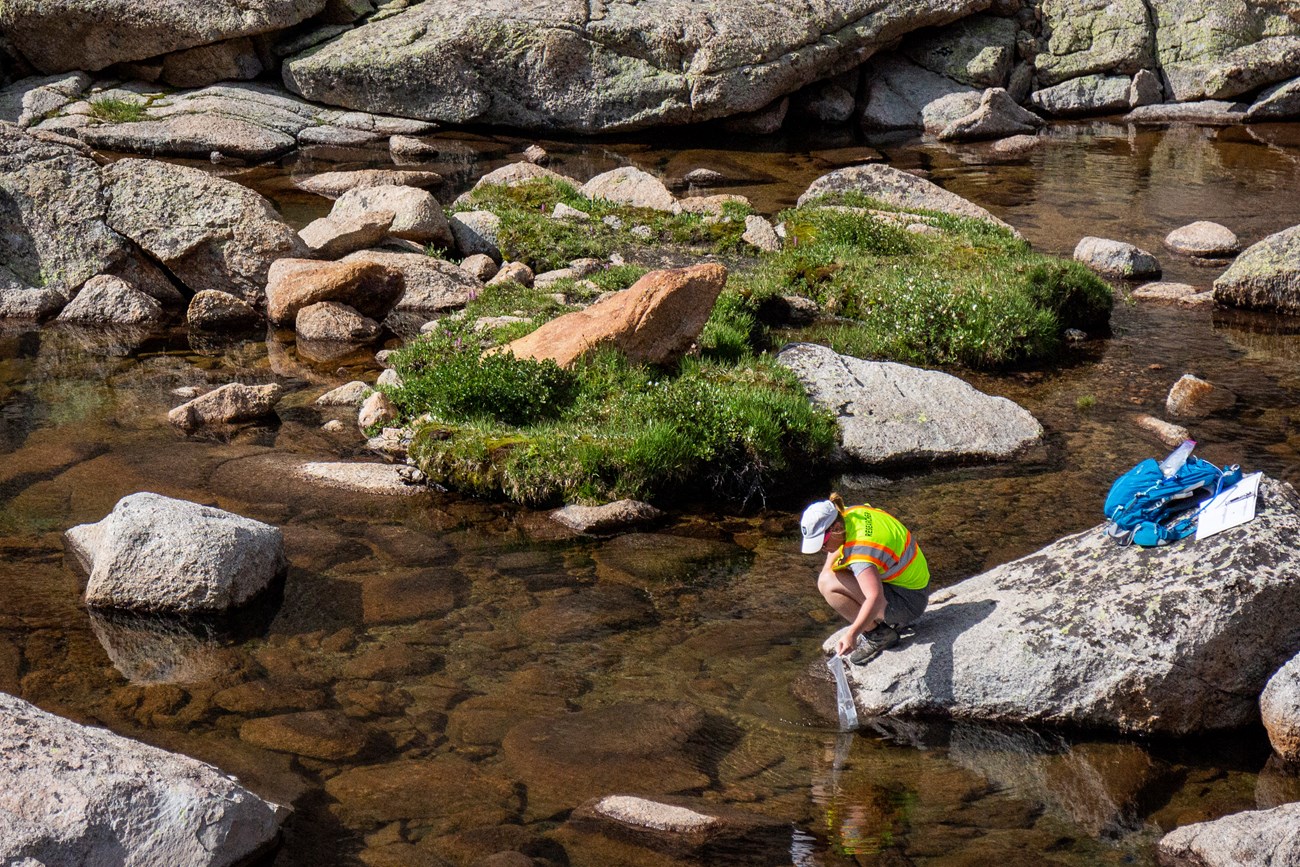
<point>875,575</point>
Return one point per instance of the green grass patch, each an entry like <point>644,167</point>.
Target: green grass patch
<point>115,110</point>
<point>972,295</point>
<point>606,429</point>
<point>528,234</point>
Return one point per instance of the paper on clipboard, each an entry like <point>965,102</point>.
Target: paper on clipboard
<point>1230,508</point>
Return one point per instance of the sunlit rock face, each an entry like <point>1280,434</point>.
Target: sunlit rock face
<point>628,65</point>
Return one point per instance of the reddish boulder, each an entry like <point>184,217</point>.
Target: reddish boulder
<point>656,320</point>
<point>368,287</point>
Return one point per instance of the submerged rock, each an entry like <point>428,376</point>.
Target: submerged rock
<point>232,402</point>
<point>365,478</point>
<point>1255,838</point>
<point>1175,640</point>
<point>684,827</point>
<point>1193,397</point>
<point>654,321</point>
<point>154,553</point>
<point>893,414</point>
<point>1266,276</point>
<point>607,518</point>
<point>73,794</point>
<point>636,64</point>
<point>899,189</point>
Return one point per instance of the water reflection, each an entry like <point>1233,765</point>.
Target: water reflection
<point>456,636</point>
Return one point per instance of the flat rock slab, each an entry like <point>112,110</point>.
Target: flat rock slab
<point>629,65</point>
<point>155,553</point>
<point>891,414</point>
<point>72,794</point>
<point>607,518</point>
<point>231,403</point>
<point>386,479</point>
<point>899,189</point>
<point>684,827</point>
<point>1174,640</point>
<point>1255,838</point>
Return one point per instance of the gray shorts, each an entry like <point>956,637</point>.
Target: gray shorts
<point>902,606</point>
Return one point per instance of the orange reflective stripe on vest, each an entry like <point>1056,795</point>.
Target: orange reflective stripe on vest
<point>880,539</point>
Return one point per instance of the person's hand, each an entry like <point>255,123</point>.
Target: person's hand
<point>846,642</point>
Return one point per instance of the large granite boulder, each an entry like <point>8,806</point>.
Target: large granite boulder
<point>898,189</point>
<point>1084,632</point>
<point>1088,94</point>
<point>418,216</point>
<point>58,35</point>
<point>1279,708</point>
<point>242,120</point>
<point>978,51</point>
<point>1266,276</point>
<point>210,233</point>
<point>1091,36</point>
<point>1255,838</point>
<point>154,553</point>
<point>891,414</point>
<point>1197,40</point>
<point>998,116</point>
<point>73,794</point>
<point>54,232</point>
<point>654,321</point>
<point>637,63</point>
<point>903,95</point>
<point>106,300</point>
<point>1267,61</point>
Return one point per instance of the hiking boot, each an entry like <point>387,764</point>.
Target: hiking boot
<point>872,644</point>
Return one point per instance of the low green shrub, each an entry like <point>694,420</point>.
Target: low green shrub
<point>115,110</point>
<point>972,295</point>
<point>616,430</point>
<point>528,234</point>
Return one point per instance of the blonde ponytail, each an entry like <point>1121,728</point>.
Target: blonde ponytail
<point>838,502</point>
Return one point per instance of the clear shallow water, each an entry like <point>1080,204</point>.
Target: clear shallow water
<point>480,674</point>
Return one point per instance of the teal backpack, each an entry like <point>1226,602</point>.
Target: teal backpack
<point>1145,508</point>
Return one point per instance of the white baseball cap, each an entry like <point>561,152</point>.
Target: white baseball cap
<point>817,519</point>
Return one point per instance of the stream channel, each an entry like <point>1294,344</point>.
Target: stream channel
<point>486,674</point>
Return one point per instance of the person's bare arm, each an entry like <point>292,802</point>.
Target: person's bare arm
<point>871,612</point>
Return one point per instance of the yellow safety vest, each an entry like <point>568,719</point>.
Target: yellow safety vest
<point>876,537</point>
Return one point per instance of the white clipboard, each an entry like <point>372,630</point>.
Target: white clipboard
<point>1230,508</point>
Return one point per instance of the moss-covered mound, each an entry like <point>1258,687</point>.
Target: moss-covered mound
<point>726,423</point>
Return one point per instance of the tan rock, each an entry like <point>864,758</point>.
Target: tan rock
<point>368,287</point>
<point>710,205</point>
<point>759,233</point>
<point>330,320</point>
<point>419,216</point>
<point>479,266</point>
<point>655,320</point>
<point>331,237</point>
<point>631,186</point>
<point>516,271</point>
<point>377,409</point>
<point>233,402</point>
<point>213,310</point>
<point>1192,397</point>
<point>1168,433</point>
<point>317,734</point>
<point>331,185</point>
<point>603,519</point>
<point>1176,292</point>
